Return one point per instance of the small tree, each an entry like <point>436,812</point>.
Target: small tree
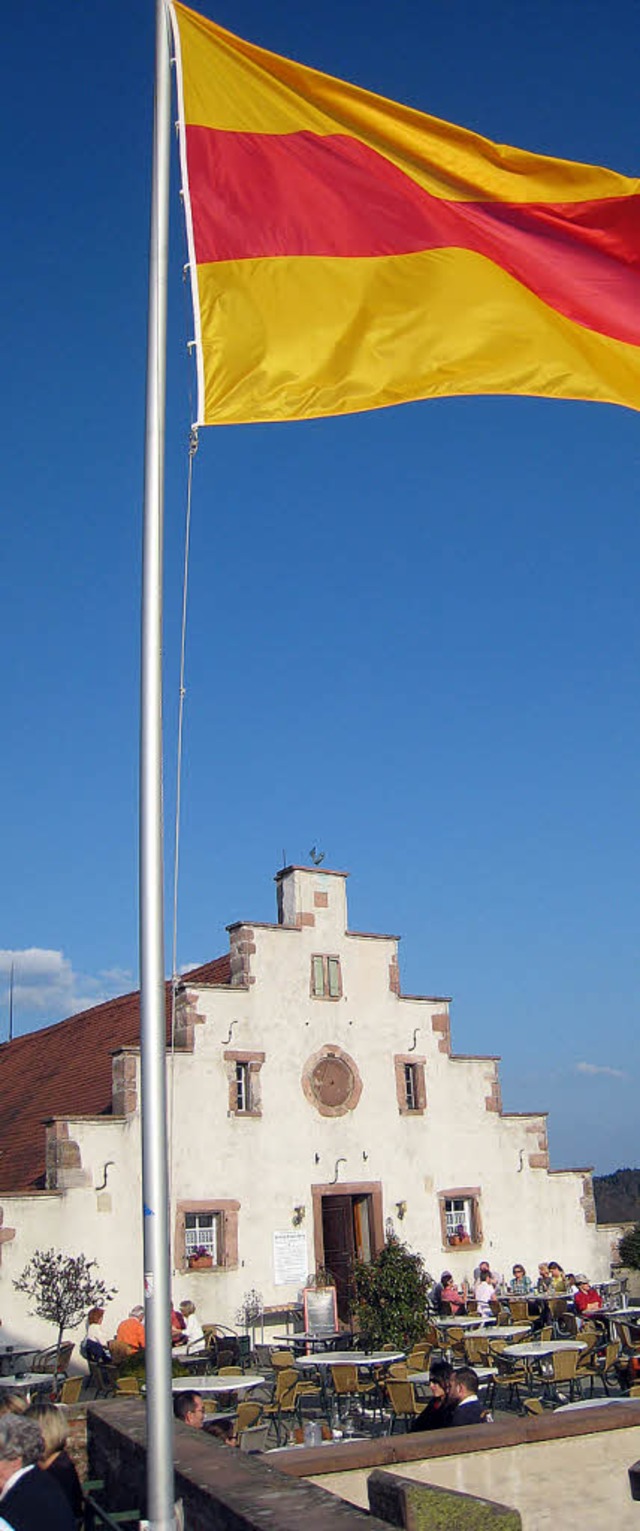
<point>629,1248</point>
<point>62,1288</point>
<point>391,1296</point>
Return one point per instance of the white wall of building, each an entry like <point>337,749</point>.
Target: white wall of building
<point>270,1162</point>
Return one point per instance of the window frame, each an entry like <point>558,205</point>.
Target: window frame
<point>403,1062</point>
<point>251,1063</point>
<point>469,1214</point>
<point>226,1213</point>
<point>328,967</point>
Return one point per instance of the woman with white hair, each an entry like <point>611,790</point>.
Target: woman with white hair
<point>28,1496</point>
<point>193,1331</point>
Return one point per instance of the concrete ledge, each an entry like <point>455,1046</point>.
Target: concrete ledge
<point>222,1490</point>
<point>424,1507</point>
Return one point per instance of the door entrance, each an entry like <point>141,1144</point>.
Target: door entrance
<point>346,1237</point>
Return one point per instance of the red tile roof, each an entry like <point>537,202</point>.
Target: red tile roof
<point>65,1070</point>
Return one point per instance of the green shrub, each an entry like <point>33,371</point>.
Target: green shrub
<point>391,1296</point>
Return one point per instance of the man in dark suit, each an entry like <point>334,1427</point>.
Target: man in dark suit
<point>464,1392</point>
<point>30,1500</point>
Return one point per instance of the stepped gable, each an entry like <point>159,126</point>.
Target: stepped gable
<point>65,1070</point>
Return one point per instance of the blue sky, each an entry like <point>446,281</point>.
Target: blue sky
<point>413,634</point>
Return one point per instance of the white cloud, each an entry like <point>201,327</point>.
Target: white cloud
<point>46,987</point>
<point>601,1068</point>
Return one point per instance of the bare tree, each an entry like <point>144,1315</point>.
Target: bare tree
<point>62,1288</point>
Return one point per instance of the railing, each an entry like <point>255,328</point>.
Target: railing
<point>95,1514</point>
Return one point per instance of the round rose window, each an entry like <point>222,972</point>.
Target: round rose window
<point>331,1081</point>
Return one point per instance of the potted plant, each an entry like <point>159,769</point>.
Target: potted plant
<point>199,1259</point>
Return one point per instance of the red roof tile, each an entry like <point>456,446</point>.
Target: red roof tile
<point>65,1070</point>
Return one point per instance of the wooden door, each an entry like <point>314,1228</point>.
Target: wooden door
<point>339,1247</point>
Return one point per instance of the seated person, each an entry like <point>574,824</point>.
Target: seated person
<point>450,1294</point>
<point>484,1292</point>
<point>483,1272</point>
<point>520,1286</point>
<point>94,1346</point>
<point>544,1283</point>
<point>177,1326</point>
<point>193,1331</point>
<point>438,1412</point>
<point>468,1409</point>
<point>586,1300</point>
<point>558,1282</point>
<point>460,1236</point>
<point>189,1407</point>
<point>130,1333</point>
<point>572,1285</point>
<point>223,1429</point>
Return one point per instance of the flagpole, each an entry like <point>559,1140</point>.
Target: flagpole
<point>157,1290</point>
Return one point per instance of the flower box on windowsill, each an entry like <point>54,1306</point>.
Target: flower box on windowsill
<point>200,1262</point>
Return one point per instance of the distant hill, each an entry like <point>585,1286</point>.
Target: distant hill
<point>618,1196</point>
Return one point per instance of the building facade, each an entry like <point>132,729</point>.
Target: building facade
<point>313,1104</point>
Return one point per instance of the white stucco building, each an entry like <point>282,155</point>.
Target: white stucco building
<point>312,1102</point>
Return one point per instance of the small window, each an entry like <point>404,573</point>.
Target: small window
<point>202,1235</point>
<point>410,1086</point>
<point>411,1090</point>
<point>243,1074</point>
<point>243,1087</point>
<point>460,1217</point>
<point>326,978</point>
<point>206,1235</point>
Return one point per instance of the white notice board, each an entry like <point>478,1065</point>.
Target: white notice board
<point>290,1266</point>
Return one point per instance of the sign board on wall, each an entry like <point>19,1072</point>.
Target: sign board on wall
<point>290,1266</point>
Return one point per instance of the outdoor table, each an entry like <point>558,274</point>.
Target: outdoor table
<point>215,1384</point>
<point>28,1381</point>
<point>467,1321</point>
<point>501,1332</point>
<point>307,1338</point>
<point>352,1358</point>
<point>528,1350</point>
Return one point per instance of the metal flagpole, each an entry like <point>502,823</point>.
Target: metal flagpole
<point>160,1487</point>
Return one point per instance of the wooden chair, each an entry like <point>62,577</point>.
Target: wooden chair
<point>476,1348</point>
<point>560,1370</point>
<point>253,1439</point>
<point>519,1310</point>
<point>431,1335</point>
<point>281,1358</point>
<point>348,1384</point>
<point>455,1342</point>
<point>71,1390</point>
<point>229,1371</point>
<point>285,1400</point>
<point>402,1402</point>
<point>511,1375</point>
<point>418,1358</point>
<point>248,1414</point>
<point>399,1371</point>
<point>129,1385</point>
<point>602,1367</point>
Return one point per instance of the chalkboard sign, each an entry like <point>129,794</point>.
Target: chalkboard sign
<point>320,1310</point>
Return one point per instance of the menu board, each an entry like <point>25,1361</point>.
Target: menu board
<point>290,1266</point>
<point>320,1312</point>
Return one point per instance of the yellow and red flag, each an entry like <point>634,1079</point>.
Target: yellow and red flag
<point>348,252</point>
